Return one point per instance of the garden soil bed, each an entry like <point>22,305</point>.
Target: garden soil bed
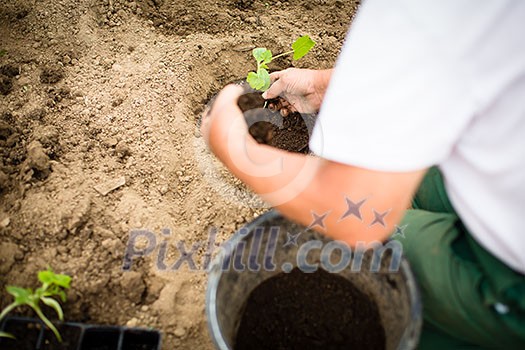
<point>99,102</point>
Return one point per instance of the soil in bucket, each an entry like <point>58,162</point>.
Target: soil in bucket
<point>290,132</point>
<point>317,310</point>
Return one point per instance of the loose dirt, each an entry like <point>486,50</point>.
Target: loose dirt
<point>95,90</point>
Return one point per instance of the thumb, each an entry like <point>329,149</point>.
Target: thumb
<point>275,90</point>
<point>228,97</point>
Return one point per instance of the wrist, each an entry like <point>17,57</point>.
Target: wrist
<point>322,81</point>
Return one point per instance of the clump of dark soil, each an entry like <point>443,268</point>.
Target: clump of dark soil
<point>6,85</point>
<point>51,75</point>
<point>309,311</point>
<point>243,4</point>
<point>9,70</point>
<point>70,338</point>
<point>282,129</point>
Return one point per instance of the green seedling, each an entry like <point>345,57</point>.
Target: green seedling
<point>53,285</point>
<point>260,79</point>
<point>2,52</point>
<point>6,335</point>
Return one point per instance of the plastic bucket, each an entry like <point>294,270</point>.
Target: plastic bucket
<point>268,246</point>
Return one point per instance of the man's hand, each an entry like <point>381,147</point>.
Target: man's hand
<point>304,89</point>
<point>224,122</point>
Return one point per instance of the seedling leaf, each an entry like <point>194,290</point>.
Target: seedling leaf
<point>63,281</point>
<point>260,79</point>
<point>62,295</point>
<point>265,77</point>
<point>254,80</point>
<point>55,305</point>
<point>45,276</point>
<point>3,52</point>
<point>51,278</point>
<point>7,310</point>
<point>52,285</point>
<point>302,46</point>
<point>6,335</point>
<point>22,295</point>
<point>262,55</point>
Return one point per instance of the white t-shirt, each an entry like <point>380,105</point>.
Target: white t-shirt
<point>422,83</point>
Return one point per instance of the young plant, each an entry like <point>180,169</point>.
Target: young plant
<point>53,285</point>
<point>260,79</point>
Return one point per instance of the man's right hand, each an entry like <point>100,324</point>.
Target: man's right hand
<point>304,89</point>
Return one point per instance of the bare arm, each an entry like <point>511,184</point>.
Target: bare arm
<point>301,186</point>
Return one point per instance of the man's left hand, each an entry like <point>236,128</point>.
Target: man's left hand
<point>224,120</point>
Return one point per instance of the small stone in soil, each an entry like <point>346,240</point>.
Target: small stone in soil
<point>122,150</point>
<point>133,285</point>
<point>5,222</point>
<point>111,185</point>
<point>179,332</point>
<point>37,158</point>
<point>134,322</point>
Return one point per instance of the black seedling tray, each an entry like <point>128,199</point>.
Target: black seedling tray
<point>31,334</point>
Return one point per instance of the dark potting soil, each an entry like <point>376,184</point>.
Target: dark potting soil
<point>269,127</point>
<point>26,335</point>
<point>101,338</point>
<point>6,84</point>
<point>309,311</point>
<point>70,338</point>
<point>51,75</point>
<point>140,340</point>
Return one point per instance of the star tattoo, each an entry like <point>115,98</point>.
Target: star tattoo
<point>318,220</point>
<point>379,218</point>
<point>291,239</point>
<point>400,231</point>
<point>353,209</point>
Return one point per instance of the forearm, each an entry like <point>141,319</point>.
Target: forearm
<point>306,188</point>
<point>300,186</point>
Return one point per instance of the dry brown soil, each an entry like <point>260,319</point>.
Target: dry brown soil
<point>98,93</point>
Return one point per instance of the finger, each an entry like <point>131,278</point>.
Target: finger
<point>275,90</point>
<point>224,106</point>
<point>275,105</point>
<point>227,98</point>
<point>277,75</point>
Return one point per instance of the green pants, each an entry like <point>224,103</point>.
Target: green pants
<point>470,298</point>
